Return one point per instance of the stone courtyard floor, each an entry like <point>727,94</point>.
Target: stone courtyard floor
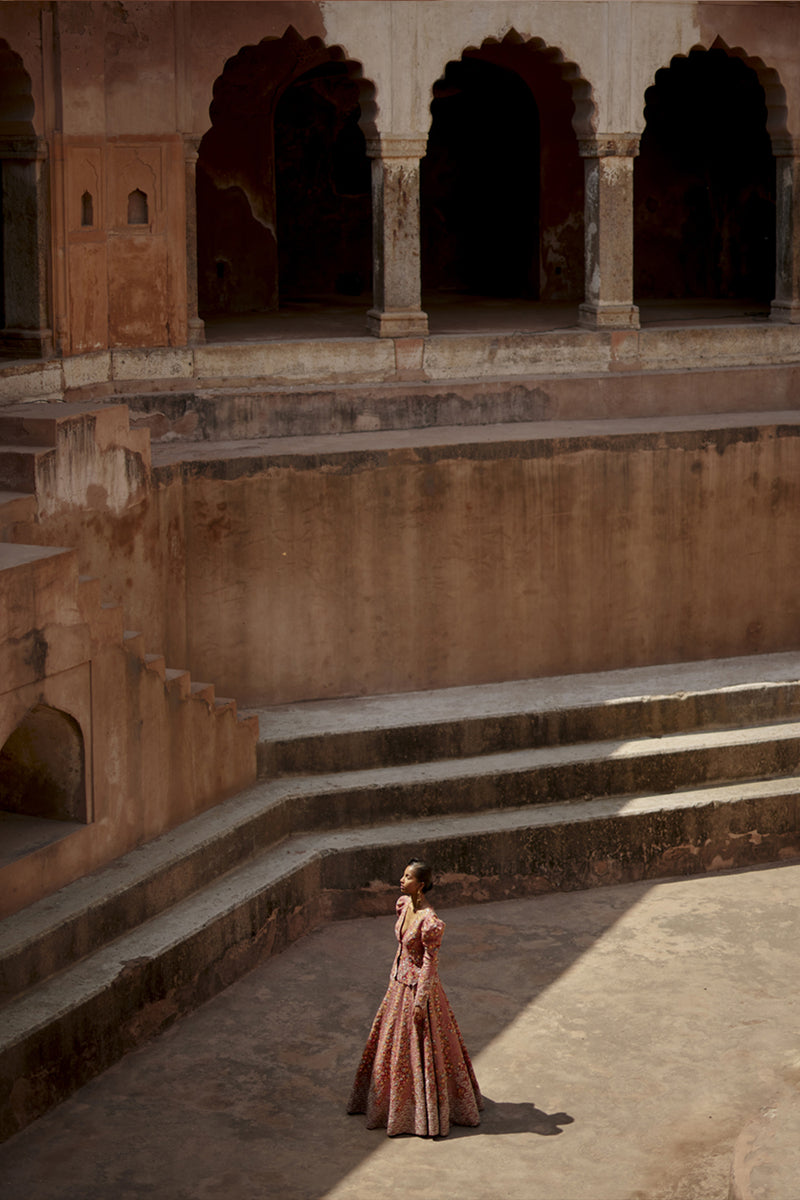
<point>623,1038</point>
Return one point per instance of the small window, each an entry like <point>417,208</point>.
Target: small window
<point>137,208</point>
<point>87,209</point>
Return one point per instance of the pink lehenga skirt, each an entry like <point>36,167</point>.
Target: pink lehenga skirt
<point>415,1078</point>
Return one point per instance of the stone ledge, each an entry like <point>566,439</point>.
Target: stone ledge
<point>441,357</point>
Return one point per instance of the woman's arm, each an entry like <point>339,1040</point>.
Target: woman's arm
<point>432,932</point>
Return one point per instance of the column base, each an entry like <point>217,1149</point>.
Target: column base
<point>397,324</point>
<point>608,316</point>
<point>26,343</point>
<point>785,312</point>
<point>196,331</point>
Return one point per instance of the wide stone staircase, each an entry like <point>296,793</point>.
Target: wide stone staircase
<point>510,789</point>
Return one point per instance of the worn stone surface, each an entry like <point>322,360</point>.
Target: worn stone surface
<point>414,559</point>
<point>624,1038</point>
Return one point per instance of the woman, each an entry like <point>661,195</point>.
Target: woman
<point>415,1074</point>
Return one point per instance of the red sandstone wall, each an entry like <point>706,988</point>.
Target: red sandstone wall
<point>384,571</point>
<point>155,754</point>
<point>403,570</point>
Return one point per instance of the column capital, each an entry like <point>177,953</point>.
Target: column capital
<point>786,147</point>
<point>191,147</point>
<point>609,145</point>
<point>401,145</point>
<point>29,149</point>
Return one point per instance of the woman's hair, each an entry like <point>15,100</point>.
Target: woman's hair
<point>422,872</point>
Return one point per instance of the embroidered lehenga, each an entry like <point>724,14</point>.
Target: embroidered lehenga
<point>416,1078</point>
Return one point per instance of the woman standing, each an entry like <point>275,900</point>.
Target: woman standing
<point>415,1075</point>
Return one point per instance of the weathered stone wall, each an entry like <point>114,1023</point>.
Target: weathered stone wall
<point>155,751</point>
<point>522,554</point>
<point>122,97</point>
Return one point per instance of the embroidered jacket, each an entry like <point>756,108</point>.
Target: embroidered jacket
<point>416,964</point>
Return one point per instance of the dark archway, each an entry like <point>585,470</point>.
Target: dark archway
<point>42,767</point>
<point>24,310</point>
<point>502,189</point>
<point>283,179</point>
<point>479,187</point>
<point>704,184</point>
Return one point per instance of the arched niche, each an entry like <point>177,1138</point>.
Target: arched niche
<point>502,184</point>
<point>283,179</point>
<point>42,767</point>
<point>24,305</point>
<point>704,181</point>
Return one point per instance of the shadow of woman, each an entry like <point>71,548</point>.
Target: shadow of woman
<point>502,1117</point>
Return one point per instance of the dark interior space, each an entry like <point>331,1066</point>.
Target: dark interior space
<point>324,199</point>
<point>283,181</point>
<point>704,210</point>
<point>479,184</point>
<point>42,767</point>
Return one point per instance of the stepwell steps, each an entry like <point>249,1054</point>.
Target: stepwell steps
<point>115,957</point>
<point>56,930</point>
<point>341,735</point>
<point>63,1032</point>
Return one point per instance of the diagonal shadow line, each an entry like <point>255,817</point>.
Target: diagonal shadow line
<point>253,1085</point>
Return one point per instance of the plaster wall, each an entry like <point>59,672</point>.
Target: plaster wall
<point>155,753</point>
<point>422,567</point>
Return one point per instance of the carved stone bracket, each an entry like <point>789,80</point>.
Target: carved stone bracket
<point>397,146</point>
<point>191,147</point>
<point>786,147</point>
<point>609,145</point>
<point>28,149</point>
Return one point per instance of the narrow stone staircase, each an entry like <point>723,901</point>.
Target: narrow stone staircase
<point>510,789</point>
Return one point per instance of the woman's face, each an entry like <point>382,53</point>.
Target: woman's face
<point>409,884</point>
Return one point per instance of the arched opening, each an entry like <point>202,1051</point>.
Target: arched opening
<point>502,182</point>
<point>87,210</point>
<point>138,211</point>
<point>24,316</point>
<point>42,768</point>
<point>704,184</point>
<point>283,181</point>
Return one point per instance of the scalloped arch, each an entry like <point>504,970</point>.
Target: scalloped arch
<point>314,45</point>
<point>16,98</point>
<point>584,116</point>
<point>768,77</point>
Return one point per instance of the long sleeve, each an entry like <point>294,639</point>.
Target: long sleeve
<point>399,908</point>
<point>432,932</point>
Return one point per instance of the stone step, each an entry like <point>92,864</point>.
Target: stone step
<point>302,409</point>
<point>552,773</point>
<point>59,1034</point>
<point>49,935</point>
<point>31,424</point>
<point>43,423</point>
<point>377,731</point>
<point>19,466</point>
<point>16,508</point>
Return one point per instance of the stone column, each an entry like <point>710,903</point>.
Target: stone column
<point>196,330</point>
<point>608,231</point>
<point>397,307</point>
<point>786,305</point>
<point>26,245</point>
